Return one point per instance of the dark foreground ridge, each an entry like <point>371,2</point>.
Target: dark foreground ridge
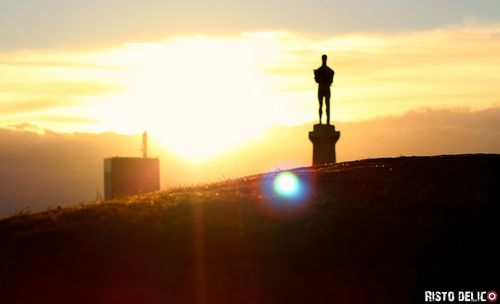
<point>372,231</point>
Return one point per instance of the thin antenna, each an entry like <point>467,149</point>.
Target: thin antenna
<point>144,144</point>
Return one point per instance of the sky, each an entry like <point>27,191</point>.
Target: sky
<point>53,23</point>
<point>208,78</point>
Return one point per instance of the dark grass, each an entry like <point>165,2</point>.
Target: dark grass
<point>373,231</point>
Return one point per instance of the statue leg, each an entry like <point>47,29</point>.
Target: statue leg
<point>320,99</point>
<point>327,103</point>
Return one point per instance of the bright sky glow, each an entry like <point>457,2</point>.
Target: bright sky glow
<point>200,96</point>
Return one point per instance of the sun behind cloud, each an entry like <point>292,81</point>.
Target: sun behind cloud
<point>198,96</point>
<point>202,95</point>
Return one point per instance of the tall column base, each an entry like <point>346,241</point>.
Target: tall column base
<point>324,138</point>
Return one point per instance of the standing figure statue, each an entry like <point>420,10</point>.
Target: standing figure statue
<point>324,77</point>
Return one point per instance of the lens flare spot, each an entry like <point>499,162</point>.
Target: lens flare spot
<point>287,184</point>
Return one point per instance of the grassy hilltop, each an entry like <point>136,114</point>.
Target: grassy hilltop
<point>370,231</point>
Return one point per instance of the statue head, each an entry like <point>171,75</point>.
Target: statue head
<point>323,58</point>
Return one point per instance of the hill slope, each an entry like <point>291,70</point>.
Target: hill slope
<point>371,231</point>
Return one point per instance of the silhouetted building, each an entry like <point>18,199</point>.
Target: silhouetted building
<point>130,175</point>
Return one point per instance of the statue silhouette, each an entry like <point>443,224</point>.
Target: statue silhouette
<point>324,77</point>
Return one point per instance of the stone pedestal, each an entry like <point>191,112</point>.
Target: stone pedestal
<point>324,138</point>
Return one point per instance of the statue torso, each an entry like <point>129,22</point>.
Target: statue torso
<point>324,75</point>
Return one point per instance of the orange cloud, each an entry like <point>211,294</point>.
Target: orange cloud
<point>253,80</point>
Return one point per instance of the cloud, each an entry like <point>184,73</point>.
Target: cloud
<point>27,106</point>
<point>52,63</point>
<point>391,73</point>
<point>48,93</point>
<point>424,132</point>
<point>249,82</point>
<point>94,22</point>
<point>41,168</point>
<point>38,85</point>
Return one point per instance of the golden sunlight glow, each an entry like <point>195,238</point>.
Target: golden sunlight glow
<point>199,96</point>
